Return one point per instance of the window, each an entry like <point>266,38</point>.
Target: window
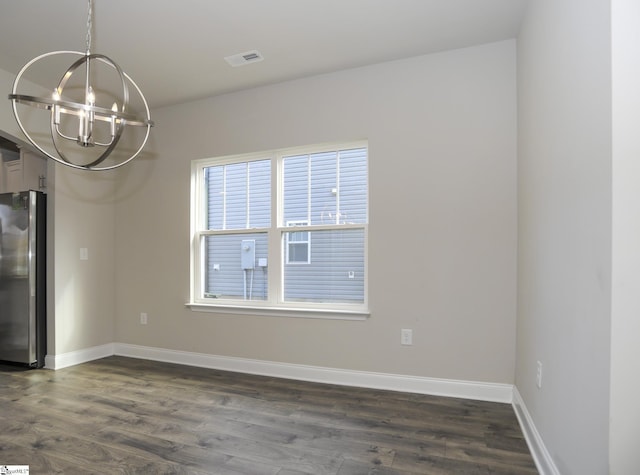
<point>298,244</point>
<point>244,251</point>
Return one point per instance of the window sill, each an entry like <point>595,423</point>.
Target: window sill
<point>289,312</point>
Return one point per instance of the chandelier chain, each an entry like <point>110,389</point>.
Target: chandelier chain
<point>89,24</point>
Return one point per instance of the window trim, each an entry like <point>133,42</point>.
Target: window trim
<point>277,311</point>
<point>275,304</point>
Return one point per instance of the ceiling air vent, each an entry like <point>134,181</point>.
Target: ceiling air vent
<point>244,58</point>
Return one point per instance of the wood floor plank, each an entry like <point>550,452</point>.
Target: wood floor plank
<point>123,415</point>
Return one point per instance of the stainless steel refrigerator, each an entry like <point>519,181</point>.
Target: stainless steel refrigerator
<point>23,334</point>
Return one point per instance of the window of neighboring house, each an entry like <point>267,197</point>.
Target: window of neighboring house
<point>298,245</point>
<point>244,252</point>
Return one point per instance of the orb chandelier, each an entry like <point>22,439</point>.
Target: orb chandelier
<point>76,116</point>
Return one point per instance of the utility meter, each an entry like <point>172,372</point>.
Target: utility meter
<point>248,253</point>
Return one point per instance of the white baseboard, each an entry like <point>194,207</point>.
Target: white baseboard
<point>494,392</point>
<point>76,357</point>
<point>539,452</point>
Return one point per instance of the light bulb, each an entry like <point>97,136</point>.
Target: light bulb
<point>114,109</point>
<point>56,107</point>
<point>91,97</point>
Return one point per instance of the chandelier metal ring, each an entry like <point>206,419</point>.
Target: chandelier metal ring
<point>118,116</point>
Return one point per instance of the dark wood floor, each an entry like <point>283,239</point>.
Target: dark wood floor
<point>122,415</point>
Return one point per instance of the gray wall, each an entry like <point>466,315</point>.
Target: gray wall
<point>624,456</point>
<point>564,228</point>
<point>442,149</point>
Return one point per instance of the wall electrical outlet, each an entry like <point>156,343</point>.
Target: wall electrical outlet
<point>539,374</point>
<point>143,318</point>
<point>406,337</point>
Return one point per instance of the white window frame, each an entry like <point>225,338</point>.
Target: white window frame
<point>275,304</point>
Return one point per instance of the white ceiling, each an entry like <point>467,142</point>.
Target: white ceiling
<point>175,50</point>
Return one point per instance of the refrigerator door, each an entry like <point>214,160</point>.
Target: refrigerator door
<point>19,276</point>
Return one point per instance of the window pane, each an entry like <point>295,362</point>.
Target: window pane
<point>296,188</point>
<point>214,188</point>
<point>236,196</point>
<point>335,272</point>
<point>353,186</point>
<point>260,194</point>
<point>324,192</point>
<point>298,252</point>
<point>224,275</point>
<point>299,236</point>
<point>239,195</point>
<point>326,188</point>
